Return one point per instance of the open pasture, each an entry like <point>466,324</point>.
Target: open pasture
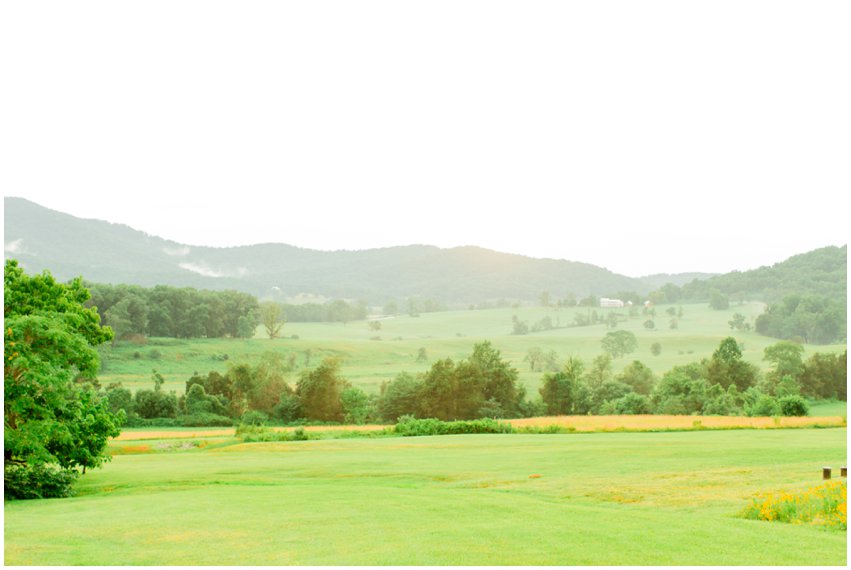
<point>367,361</point>
<point>576,499</point>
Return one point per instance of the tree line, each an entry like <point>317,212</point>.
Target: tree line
<point>177,312</point>
<point>484,385</point>
<point>184,312</point>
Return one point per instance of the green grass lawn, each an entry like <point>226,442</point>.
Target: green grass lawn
<point>452,334</point>
<point>597,499</point>
<point>829,409</point>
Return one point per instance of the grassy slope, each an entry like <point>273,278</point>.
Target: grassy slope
<point>663,498</point>
<point>368,362</point>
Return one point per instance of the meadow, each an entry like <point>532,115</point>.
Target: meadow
<point>574,499</point>
<point>615,490</point>
<point>372,357</point>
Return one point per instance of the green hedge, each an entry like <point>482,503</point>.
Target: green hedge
<point>409,426</point>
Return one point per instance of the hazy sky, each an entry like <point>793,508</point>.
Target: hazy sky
<point>640,136</point>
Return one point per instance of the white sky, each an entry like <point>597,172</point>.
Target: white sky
<point>639,136</point>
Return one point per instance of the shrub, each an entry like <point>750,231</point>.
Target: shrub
<point>203,419</point>
<point>288,408</point>
<point>155,404</point>
<point>409,426</point>
<point>134,420</point>
<point>793,406</point>
<point>764,406</point>
<point>632,404</point>
<point>37,482</point>
<point>253,418</point>
<point>254,434</point>
<point>298,434</point>
<point>119,398</point>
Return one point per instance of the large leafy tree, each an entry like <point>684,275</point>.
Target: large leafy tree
<point>728,366</point>
<point>565,392</point>
<point>619,343</point>
<point>320,391</point>
<point>52,413</point>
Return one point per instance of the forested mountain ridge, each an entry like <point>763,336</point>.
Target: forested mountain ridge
<point>822,272</point>
<point>103,252</point>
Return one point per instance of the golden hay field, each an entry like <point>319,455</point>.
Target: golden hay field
<point>653,422</point>
<point>578,423</point>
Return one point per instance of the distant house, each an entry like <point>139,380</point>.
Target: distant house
<point>611,303</point>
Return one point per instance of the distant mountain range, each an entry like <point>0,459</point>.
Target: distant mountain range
<point>102,252</point>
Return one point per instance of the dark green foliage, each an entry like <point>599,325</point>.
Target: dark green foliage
<point>175,312</point>
<point>243,387</point>
<point>256,433</point>
<point>491,409</point>
<point>357,407</point>
<point>619,343</point>
<point>630,404</point>
<point>136,421</point>
<point>37,481</point>
<point>812,319</point>
<point>197,402</point>
<point>639,377</point>
<point>763,405</point>
<point>155,404</point>
<point>519,327</point>
<point>452,391</point>
<point>718,300</point>
<point>409,426</point>
<point>825,376</point>
<point>539,360</point>
<point>608,390</point>
<point>319,392</point>
<point>254,418</point>
<point>739,323</point>
<point>564,392</point>
<point>793,406</point>
<point>119,398</point>
<point>786,359</point>
<point>682,390</point>
<point>727,367</point>
<point>52,414</point>
<point>720,402</point>
<point>400,397</point>
<point>288,408</point>
<point>199,419</point>
<point>822,273</point>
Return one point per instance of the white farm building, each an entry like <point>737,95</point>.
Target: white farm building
<point>611,302</point>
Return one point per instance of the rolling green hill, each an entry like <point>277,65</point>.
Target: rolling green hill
<point>822,272</point>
